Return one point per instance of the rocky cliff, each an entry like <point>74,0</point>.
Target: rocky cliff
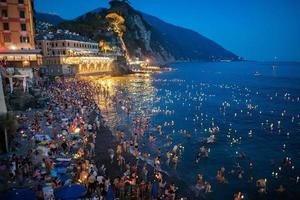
<point>148,37</point>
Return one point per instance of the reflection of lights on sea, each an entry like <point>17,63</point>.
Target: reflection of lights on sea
<point>138,97</point>
<point>131,93</point>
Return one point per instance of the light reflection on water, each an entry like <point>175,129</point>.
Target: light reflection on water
<point>136,94</point>
<point>189,102</point>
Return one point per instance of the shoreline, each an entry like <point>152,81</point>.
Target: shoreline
<point>35,123</point>
<point>107,140</point>
<point>113,170</point>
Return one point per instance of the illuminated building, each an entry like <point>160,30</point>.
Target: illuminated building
<point>67,53</point>
<point>17,45</point>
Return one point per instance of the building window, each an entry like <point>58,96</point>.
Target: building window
<point>6,26</point>
<point>63,44</point>
<point>4,13</point>
<point>21,1</point>
<point>24,39</point>
<point>56,44</point>
<point>64,52</point>
<point>68,44</point>
<point>22,14</point>
<point>7,38</point>
<point>23,27</point>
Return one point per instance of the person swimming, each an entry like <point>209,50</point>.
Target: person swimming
<point>211,139</point>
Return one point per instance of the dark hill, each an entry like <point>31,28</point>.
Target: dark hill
<point>149,37</point>
<point>49,18</point>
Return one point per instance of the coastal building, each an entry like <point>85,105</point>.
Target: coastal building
<point>17,46</point>
<point>68,53</point>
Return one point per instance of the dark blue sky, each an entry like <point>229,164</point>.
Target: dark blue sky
<point>254,29</point>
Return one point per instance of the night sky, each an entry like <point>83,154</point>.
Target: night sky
<point>254,29</point>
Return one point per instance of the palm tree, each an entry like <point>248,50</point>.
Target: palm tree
<point>116,23</point>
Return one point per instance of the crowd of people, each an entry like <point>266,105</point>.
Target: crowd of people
<point>58,146</point>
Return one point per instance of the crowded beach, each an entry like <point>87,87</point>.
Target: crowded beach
<point>56,156</point>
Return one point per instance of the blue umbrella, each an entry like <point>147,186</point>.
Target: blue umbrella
<point>16,194</point>
<point>110,194</point>
<point>70,192</point>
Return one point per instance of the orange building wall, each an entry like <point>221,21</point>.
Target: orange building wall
<point>13,10</point>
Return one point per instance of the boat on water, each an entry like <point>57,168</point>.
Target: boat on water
<point>225,60</point>
<point>257,74</point>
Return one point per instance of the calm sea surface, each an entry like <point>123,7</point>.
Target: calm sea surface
<point>257,116</point>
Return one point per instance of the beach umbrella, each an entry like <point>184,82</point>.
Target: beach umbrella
<point>70,192</point>
<point>16,194</point>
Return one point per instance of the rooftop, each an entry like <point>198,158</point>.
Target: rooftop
<point>63,35</point>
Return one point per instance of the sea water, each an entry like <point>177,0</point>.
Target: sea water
<point>255,105</point>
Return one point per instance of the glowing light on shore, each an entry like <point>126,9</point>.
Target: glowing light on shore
<point>77,130</point>
<point>13,47</point>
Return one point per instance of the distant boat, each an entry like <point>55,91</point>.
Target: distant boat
<point>257,74</point>
<point>274,65</point>
<point>225,60</point>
